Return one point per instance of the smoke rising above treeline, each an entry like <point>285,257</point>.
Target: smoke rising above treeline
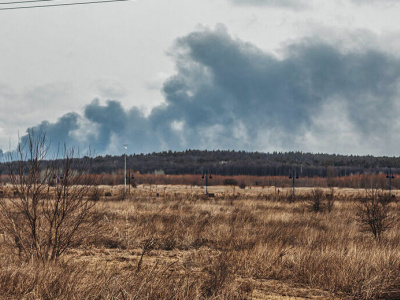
<point>230,94</point>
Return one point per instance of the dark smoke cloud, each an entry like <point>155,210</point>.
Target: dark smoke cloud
<point>58,132</point>
<point>230,94</point>
<point>120,126</point>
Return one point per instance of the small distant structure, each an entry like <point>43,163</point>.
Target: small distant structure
<point>206,176</point>
<point>390,176</point>
<point>293,175</point>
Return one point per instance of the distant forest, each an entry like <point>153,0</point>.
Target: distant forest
<point>228,163</point>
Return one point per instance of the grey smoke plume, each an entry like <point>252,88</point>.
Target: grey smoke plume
<point>230,94</point>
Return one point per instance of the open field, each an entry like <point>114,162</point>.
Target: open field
<point>241,244</point>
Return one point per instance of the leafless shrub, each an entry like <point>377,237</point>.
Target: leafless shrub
<point>373,213</point>
<point>121,194</point>
<point>330,200</point>
<point>242,185</point>
<point>40,221</point>
<point>95,193</point>
<point>316,201</point>
<point>218,275</point>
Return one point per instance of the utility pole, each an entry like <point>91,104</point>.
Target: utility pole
<point>126,147</point>
<point>390,176</point>
<point>206,176</point>
<point>293,175</point>
<point>129,180</point>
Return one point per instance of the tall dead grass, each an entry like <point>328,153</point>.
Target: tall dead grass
<point>182,246</point>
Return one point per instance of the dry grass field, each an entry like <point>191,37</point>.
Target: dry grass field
<point>172,242</point>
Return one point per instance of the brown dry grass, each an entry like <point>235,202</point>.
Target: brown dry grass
<point>251,245</point>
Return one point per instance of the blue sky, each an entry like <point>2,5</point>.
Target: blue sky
<point>257,75</point>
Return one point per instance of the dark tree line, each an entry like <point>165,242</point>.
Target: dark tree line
<point>225,162</point>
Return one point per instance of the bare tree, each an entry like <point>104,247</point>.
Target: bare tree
<point>50,209</point>
<point>373,213</point>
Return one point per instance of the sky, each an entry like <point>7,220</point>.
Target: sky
<point>255,75</point>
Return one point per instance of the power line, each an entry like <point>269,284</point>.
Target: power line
<point>21,2</point>
<point>61,4</point>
